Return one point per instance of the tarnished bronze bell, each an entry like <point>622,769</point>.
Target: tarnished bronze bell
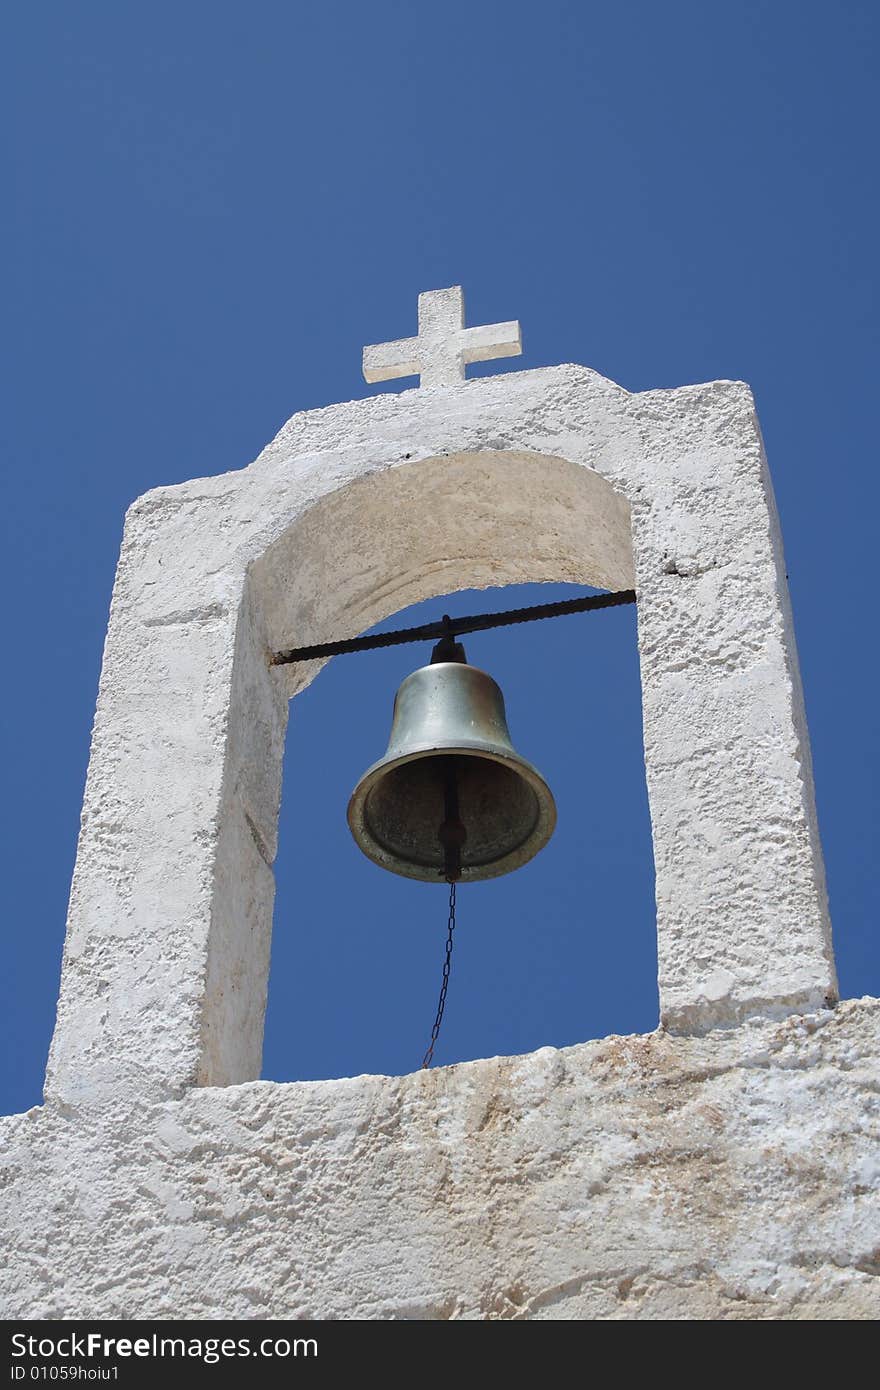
<point>451,798</point>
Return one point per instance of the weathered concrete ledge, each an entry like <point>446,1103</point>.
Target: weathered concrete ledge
<point>728,1176</point>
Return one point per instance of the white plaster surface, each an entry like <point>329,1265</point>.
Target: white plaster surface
<point>554,474</point>
<point>724,1167</point>
<point>732,1175</point>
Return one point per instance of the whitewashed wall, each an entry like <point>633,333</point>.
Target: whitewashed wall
<point>258,1189</point>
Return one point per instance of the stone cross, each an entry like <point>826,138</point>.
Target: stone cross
<point>444,346</point>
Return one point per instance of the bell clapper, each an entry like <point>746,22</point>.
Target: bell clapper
<point>452,834</point>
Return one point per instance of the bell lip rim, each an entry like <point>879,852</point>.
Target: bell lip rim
<point>516,859</point>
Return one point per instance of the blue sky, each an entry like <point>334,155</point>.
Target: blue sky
<point>213,207</point>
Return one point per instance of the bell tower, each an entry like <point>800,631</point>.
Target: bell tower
<point>569,478</point>
<point>551,1185</point>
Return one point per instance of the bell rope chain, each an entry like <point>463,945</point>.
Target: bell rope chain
<point>447,965</point>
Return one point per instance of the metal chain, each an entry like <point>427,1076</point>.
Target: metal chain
<point>450,928</point>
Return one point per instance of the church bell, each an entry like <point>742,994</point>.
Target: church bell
<point>451,799</point>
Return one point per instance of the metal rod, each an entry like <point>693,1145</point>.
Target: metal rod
<point>477,622</point>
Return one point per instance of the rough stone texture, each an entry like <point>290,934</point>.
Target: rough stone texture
<point>554,474</point>
<point>725,1173</point>
<point>733,1175</point>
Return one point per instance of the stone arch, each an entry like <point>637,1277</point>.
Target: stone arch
<point>470,519</point>
<point>349,515</point>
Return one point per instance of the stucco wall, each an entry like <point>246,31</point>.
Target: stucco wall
<point>551,474</point>
<point>728,1176</point>
<point>725,1166</point>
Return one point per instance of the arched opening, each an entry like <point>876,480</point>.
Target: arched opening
<point>561,950</point>
<point>363,942</point>
<point>436,526</point>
